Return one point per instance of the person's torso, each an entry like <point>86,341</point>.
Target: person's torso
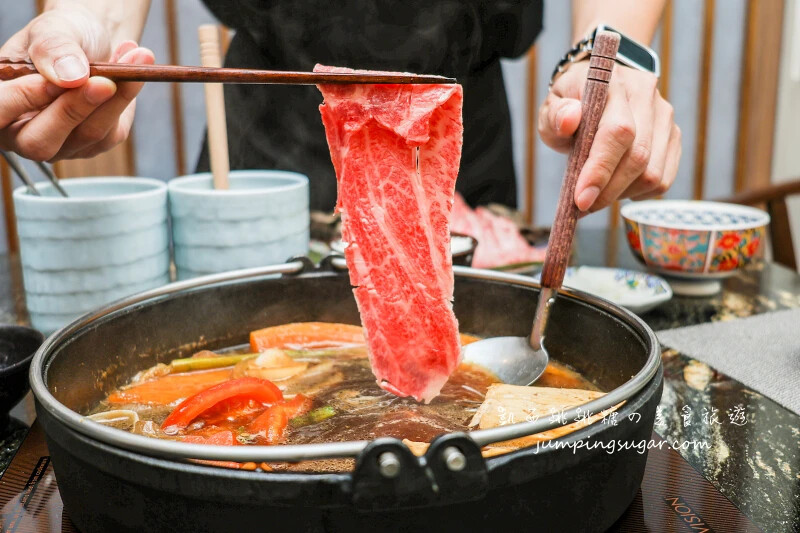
<point>460,38</point>
<point>450,37</point>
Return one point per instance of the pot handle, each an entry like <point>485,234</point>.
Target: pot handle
<point>388,475</point>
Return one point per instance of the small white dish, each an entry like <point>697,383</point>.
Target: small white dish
<point>638,292</point>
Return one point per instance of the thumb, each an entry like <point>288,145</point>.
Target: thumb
<point>558,120</point>
<point>57,53</point>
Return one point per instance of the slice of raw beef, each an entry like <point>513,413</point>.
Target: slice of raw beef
<point>499,240</point>
<point>396,151</point>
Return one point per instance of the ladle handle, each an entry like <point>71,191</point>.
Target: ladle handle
<point>594,102</point>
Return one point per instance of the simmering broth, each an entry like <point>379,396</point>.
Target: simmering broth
<point>328,389</point>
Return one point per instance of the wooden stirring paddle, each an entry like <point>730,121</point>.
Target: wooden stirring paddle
<point>215,108</point>
<point>524,359</point>
<point>562,233</point>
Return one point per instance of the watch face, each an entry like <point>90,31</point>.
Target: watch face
<point>632,53</point>
<point>636,54</point>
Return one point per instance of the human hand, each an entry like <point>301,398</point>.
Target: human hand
<point>637,147</point>
<point>62,112</point>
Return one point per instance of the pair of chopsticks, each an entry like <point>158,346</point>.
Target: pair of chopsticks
<point>15,68</point>
<point>16,165</point>
<point>11,68</point>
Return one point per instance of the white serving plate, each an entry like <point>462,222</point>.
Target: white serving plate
<point>638,292</point>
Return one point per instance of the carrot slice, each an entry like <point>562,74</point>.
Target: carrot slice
<point>555,376</point>
<point>311,335</point>
<point>223,438</point>
<point>468,339</point>
<point>306,335</point>
<point>171,388</point>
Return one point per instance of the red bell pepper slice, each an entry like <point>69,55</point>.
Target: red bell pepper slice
<point>256,389</point>
<point>272,423</point>
<point>297,406</point>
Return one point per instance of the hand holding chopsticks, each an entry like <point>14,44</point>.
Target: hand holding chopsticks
<point>11,69</point>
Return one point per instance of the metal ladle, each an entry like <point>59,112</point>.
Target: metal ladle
<point>521,360</point>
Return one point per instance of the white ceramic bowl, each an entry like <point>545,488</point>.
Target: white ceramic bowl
<point>261,220</point>
<point>108,240</point>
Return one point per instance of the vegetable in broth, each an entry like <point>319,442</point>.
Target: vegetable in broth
<point>296,384</point>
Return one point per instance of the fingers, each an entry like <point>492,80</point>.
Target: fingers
<point>60,42</point>
<point>560,113</point>
<point>40,113</point>
<point>17,46</point>
<point>636,160</point>
<point>652,182</point>
<point>123,48</point>
<point>615,135</point>
<point>55,48</point>
<point>670,165</point>
<point>104,127</point>
<point>636,149</point>
<point>558,120</point>
<point>25,95</point>
<point>41,137</point>
<point>117,135</point>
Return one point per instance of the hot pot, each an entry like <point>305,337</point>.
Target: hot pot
<point>115,481</point>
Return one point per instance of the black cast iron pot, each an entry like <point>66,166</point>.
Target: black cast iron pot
<point>111,480</point>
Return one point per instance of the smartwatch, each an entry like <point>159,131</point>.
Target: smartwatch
<point>631,54</point>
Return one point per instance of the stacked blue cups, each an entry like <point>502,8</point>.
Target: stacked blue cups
<point>107,240</point>
<point>262,219</point>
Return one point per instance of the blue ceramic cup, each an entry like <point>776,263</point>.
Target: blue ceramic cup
<point>107,240</point>
<point>262,219</point>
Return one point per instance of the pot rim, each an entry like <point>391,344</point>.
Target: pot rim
<point>297,452</point>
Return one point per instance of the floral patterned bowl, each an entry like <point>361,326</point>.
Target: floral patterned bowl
<point>694,239</point>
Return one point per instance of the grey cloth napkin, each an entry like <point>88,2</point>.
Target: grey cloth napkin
<point>761,351</point>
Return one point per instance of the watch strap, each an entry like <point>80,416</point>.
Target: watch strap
<point>583,49</point>
<point>579,52</point>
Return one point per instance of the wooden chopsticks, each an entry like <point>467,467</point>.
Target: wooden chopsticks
<point>11,69</point>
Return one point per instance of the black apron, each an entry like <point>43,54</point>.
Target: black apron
<point>279,127</point>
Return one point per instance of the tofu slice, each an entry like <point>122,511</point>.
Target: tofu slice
<point>509,404</point>
<point>419,448</point>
